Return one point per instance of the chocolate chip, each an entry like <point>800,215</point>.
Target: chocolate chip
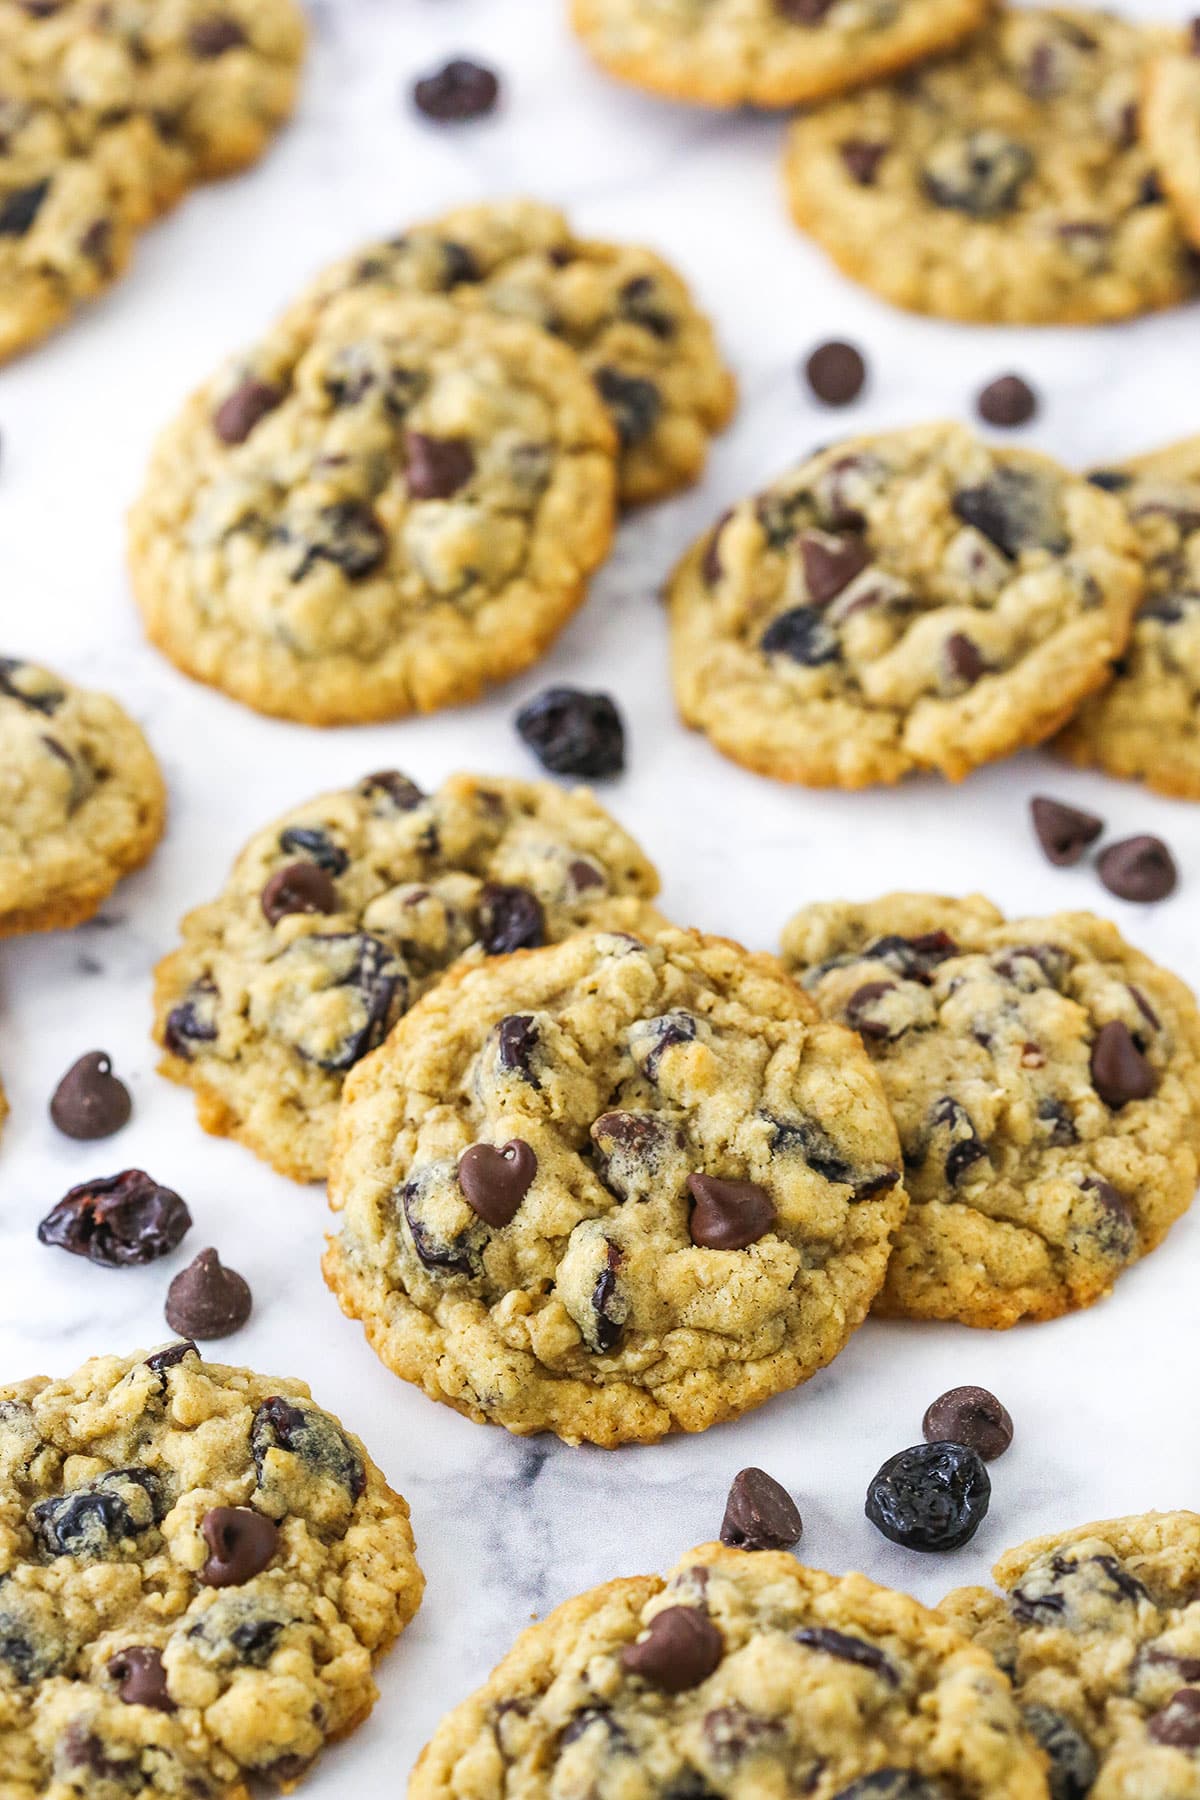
<point>803,12</point>
<point>20,207</point>
<point>574,733</point>
<point>836,371</point>
<point>494,1181</point>
<point>681,1649</point>
<point>1064,832</point>
<point>119,1221</point>
<point>980,173</point>
<point>1119,1070</point>
<point>242,410</point>
<point>215,35</point>
<point>635,404</point>
<point>460,91</point>
<point>241,1543</point>
<point>1007,401</point>
<point>1178,1724</point>
<point>207,1300</point>
<point>802,635</point>
<point>760,1514</point>
<point>401,794</point>
<point>830,563</point>
<point>1015,510</point>
<point>1138,868</point>
<point>436,468</point>
<point>140,1677</point>
<point>90,1102</point>
<point>301,887</point>
<point>1110,481</point>
<point>510,918</point>
<point>728,1215</point>
<point>970,1416</point>
<point>964,659</point>
<point>862,159</point>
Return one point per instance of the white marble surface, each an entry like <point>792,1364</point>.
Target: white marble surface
<point>506,1529</point>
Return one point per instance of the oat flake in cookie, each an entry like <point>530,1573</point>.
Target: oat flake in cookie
<point>82,801</point>
<point>649,351</point>
<point>1045,1079</point>
<point>914,600</point>
<point>336,917</point>
<point>1007,182</point>
<point>740,1673</point>
<point>199,1568</point>
<point>613,1188</point>
<point>1146,723</point>
<point>1099,1631</point>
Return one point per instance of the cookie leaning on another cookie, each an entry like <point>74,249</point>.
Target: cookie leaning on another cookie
<point>82,800</point>
<point>1045,1079</point>
<point>1170,125</point>
<point>914,600</point>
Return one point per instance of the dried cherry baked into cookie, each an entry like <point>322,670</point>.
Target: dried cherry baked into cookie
<point>913,600</point>
<point>738,1673</point>
<point>624,311</point>
<point>1099,1631</point>
<point>1045,1079</point>
<point>1007,182</point>
<point>199,1568</point>
<point>613,1188</point>
<point>1146,722</point>
<point>377,518</point>
<point>765,52</point>
<point>336,917</point>
<point>82,801</point>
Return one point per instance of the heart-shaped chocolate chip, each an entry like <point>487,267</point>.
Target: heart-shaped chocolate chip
<point>496,1181</point>
<point>681,1649</point>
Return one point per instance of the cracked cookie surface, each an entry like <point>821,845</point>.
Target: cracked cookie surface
<point>1007,182</point>
<point>913,600</point>
<point>198,1567</point>
<point>340,914</point>
<point>624,311</point>
<point>613,1188</point>
<point>809,1684</point>
<point>1146,723</point>
<point>1045,1079</point>
<point>1099,1631</point>
<point>377,519</point>
<point>82,800</point>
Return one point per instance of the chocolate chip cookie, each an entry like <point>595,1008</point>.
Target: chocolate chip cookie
<point>82,801</point>
<point>1099,1631</point>
<point>379,518</point>
<point>627,314</point>
<point>1170,119</point>
<point>199,1568</point>
<point>1146,723</point>
<point>913,600</point>
<point>766,52</point>
<point>1045,1079</point>
<point>739,1673</point>
<point>338,916</point>
<point>613,1188</point>
<point>1007,182</point>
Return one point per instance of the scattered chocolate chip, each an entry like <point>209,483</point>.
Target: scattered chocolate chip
<point>301,887</point>
<point>436,468</point>
<point>830,563</point>
<point>681,1649</point>
<point>728,1215</point>
<point>1110,481</point>
<point>20,207</point>
<point>1178,1724</point>
<point>215,35</point>
<point>964,659</point>
<point>207,1300</point>
<point>932,1497</point>
<point>510,918</point>
<point>1119,1070</point>
<point>246,407</point>
<point>1007,401</point>
<point>118,1221</point>
<point>495,1181</point>
<point>836,371</point>
<point>760,1514</point>
<point>862,159</point>
<point>635,404</point>
<point>400,794</point>
<point>1138,868</point>
<point>459,91</point>
<point>1064,832</point>
<point>970,1416</point>
<point>241,1543</point>
<point>140,1677</point>
<point>90,1102</point>
<point>574,733</point>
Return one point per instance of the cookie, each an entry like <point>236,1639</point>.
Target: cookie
<point>765,52</point>
<point>739,1673</point>
<point>82,800</point>
<point>1170,123</point>
<point>377,519</point>
<point>913,600</point>
<point>613,1188</point>
<point>1045,1079</point>
<point>1099,1630</point>
<point>626,313</point>
<point>339,915</point>
<point>1146,724</point>
<point>199,1568</point>
<point>1006,183</point>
